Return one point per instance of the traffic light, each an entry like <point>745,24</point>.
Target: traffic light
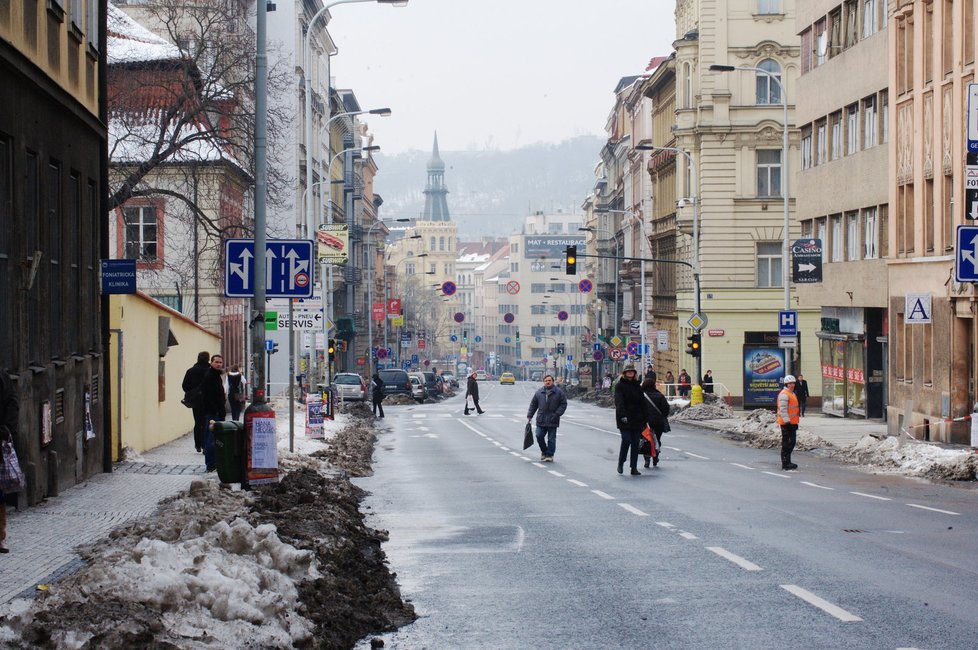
<point>571,265</point>
<point>331,349</point>
<point>465,336</point>
<point>274,348</point>
<point>517,336</point>
<point>693,348</point>
<point>560,348</point>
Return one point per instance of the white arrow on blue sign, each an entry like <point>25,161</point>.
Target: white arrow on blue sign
<point>288,268</point>
<point>966,258</point>
<point>787,323</point>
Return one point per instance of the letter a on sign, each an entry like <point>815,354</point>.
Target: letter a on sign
<point>917,308</point>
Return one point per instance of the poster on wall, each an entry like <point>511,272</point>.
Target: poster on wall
<point>314,415</point>
<point>763,369</point>
<point>89,428</point>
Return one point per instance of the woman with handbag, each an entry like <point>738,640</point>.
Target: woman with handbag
<point>236,390</point>
<point>631,416</point>
<point>659,418</point>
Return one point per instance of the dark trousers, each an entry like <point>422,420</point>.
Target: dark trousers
<point>629,443</point>
<point>378,405</point>
<point>201,418</point>
<point>210,451</point>
<point>475,403</point>
<point>236,406</point>
<point>788,434</point>
<point>803,405</point>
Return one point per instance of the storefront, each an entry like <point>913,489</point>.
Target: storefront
<point>852,357</point>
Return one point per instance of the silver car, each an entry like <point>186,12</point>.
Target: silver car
<point>350,387</point>
<point>419,390</point>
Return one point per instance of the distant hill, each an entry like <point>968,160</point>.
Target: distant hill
<point>491,192</point>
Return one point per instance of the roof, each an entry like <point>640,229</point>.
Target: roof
<point>130,42</point>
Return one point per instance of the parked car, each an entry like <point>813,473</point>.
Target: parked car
<point>396,381</point>
<point>350,387</point>
<point>450,379</point>
<point>536,375</point>
<point>419,390</point>
<point>480,375</point>
<point>434,383</point>
<point>507,378</point>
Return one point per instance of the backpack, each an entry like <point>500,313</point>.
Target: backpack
<point>192,397</point>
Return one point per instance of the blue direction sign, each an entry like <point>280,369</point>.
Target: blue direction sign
<point>453,338</point>
<point>288,268</point>
<point>478,339</point>
<point>966,257</point>
<point>118,276</point>
<point>787,323</point>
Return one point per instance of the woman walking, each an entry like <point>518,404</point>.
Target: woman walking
<point>235,389</point>
<point>659,416</point>
<point>631,415</point>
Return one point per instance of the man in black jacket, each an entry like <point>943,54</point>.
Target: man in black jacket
<point>549,403</point>
<point>191,381</point>
<point>801,392</point>
<point>631,416</point>
<point>212,403</point>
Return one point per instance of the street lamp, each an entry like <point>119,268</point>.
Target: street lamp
<point>696,235</point>
<point>784,182</point>
<point>370,293</point>
<point>593,229</point>
<point>306,73</point>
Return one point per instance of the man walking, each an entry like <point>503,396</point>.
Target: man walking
<point>377,395</point>
<point>212,398</point>
<point>191,397</point>
<point>549,403</point>
<point>472,390</point>
<point>801,392</point>
<point>788,416</point>
<point>631,416</point>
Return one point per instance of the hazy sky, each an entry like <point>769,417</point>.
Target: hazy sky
<point>493,74</point>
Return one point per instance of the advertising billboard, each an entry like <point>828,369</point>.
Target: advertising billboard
<point>549,246</point>
<point>763,369</point>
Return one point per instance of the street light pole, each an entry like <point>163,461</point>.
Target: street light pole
<point>612,235</point>
<point>785,279</point>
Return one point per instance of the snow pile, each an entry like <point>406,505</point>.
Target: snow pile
<point>760,428</point>
<point>912,457</point>
<point>704,411</point>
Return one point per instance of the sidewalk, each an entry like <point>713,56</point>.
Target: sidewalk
<point>41,539</point>
<point>839,431</point>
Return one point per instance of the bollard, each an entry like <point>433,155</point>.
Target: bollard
<point>696,396</point>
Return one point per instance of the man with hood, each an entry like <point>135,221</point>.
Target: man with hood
<point>631,416</point>
<point>192,397</point>
<point>472,390</point>
<point>549,403</point>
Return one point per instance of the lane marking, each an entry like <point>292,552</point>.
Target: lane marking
<point>821,603</point>
<point>742,466</point>
<point>505,448</point>
<point>633,510</point>
<point>526,458</point>
<point>614,433</point>
<point>664,524</point>
<point>689,453</point>
<point>575,482</point>
<point>604,495</point>
<point>540,465</point>
<point>946,512</point>
<point>816,485</point>
<point>558,474</point>
<point>747,565</point>
<point>775,474</point>
<point>517,454</point>
<point>671,448</point>
<point>871,496</point>
<point>686,535</point>
<point>419,416</point>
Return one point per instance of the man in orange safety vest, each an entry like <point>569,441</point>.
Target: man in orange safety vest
<point>789,412</point>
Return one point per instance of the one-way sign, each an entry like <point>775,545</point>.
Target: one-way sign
<point>966,257</point>
<point>806,261</point>
<point>288,268</point>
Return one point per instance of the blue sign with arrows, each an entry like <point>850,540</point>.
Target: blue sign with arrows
<point>288,268</point>
<point>966,257</point>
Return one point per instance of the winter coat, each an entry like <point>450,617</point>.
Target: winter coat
<point>658,420</point>
<point>377,388</point>
<point>213,399</point>
<point>472,388</point>
<point>708,381</point>
<point>194,375</point>
<point>631,409</point>
<point>549,405</point>
<point>801,390</point>
<point>9,406</point>
<point>235,387</point>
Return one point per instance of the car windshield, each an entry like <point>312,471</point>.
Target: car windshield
<point>348,379</point>
<point>391,375</point>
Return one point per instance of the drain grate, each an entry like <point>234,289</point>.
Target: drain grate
<point>852,530</point>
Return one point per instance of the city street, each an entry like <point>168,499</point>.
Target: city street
<point>717,547</point>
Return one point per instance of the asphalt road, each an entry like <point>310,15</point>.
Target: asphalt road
<point>715,548</point>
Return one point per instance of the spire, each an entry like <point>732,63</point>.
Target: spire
<point>436,162</point>
<point>435,203</point>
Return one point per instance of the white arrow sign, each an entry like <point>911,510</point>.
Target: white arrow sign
<point>806,268</point>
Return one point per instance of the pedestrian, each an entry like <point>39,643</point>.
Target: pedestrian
<point>649,374</point>
<point>236,387</point>
<point>606,382</point>
<point>472,390</point>
<point>377,394</point>
<point>212,399</point>
<point>801,392</point>
<point>670,383</point>
<point>708,382</point>
<point>9,416</point>
<point>684,383</point>
<point>191,397</point>
<point>788,416</point>
<point>659,420</point>
<point>549,403</point>
<point>631,416</point>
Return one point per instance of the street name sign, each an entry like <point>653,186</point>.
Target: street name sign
<point>288,268</point>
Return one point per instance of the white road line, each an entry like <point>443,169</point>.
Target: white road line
<point>821,603</point>
<point>517,454</point>
<point>686,535</point>
<point>505,448</point>
<point>741,466</point>
<point>557,474</point>
<point>664,524</point>
<point>526,458</point>
<point>604,495</point>
<point>614,433</point>
<point>871,496</point>
<point>946,512</point>
<point>498,444</point>
<point>747,565</point>
<point>671,448</point>
<point>540,465</point>
<point>419,415</point>
<point>577,483</point>
<point>776,474</point>
<point>472,428</point>
<point>633,510</point>
<point>689,453</point>
<point>816,485</point>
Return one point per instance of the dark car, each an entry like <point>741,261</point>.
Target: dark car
<point>435,384</point>
<point>396,382</point>
<point>450,379</point>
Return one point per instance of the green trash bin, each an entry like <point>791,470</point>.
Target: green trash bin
<point>229,449</point>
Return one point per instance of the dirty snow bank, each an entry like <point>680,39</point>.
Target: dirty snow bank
<point>912,457</point>
<point>760,429</point>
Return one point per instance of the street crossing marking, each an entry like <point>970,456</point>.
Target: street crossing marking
<point>747,565</point>
<point>946,512</point>
<point>816,485</point>
<point>419,416</point>
<point>603,495</point>
<point>821,603</point>
<point>633,510</point>
<point>871,496</point>
<point>741,466</point>
<point>558,474</point>
<point>776,474</point>
<point>577,483</point>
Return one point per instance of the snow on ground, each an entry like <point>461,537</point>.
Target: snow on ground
<point>912,457</point>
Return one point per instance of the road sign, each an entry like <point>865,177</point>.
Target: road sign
<point>562,315</point>
<point>632,349</point>
<point>414,358</point>
<point>698,322</point>
<point>393,306</point>
<point>806,261</point>
<point>381,353</point>
<point>448,288</point>
<point>421,344</point>
<point>459,317</point>
<point>972,117</point>
<point>598,355</point>
<point>585,286</point>
<point>787,323</point>
<point>966,257</point>
<point>478,339</point>
<point>507,340</point>
<point>269,345</point>
<point>288,265</point>
<point>306,321</point>
<point>453,338</point>
<point>788,342</point>
<point>616,341</point>
<point>512,287</point>
<point>118,276</point>
<point>662,340</point>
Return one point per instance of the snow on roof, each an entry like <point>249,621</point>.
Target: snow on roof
<point>132,140</point>
<point>130,42</point>
<point>473,257</point>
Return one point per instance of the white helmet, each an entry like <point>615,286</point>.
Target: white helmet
<point>789,379</point>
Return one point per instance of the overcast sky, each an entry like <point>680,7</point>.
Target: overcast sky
<point>493,74</point>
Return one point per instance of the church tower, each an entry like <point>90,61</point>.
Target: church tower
<point>435,194</point>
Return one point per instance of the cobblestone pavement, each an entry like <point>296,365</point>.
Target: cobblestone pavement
<point>42,539</point>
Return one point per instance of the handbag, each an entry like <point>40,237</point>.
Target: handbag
<point>528,436</point>
<point>648,445</point>
<point>467,410</point>
<point>645,447</point>
<point>11,475</point>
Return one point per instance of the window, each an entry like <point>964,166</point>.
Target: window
<point>870,234</point>
<point>432,268</point>
<point>432,247</point>
<point>947,217</point>
<point>687,85</point>
<point>768,90</point>
<point>821,42</point>
<point>852,129</point>
<point>870,20</point>
<point>768,172</point>
<point>884,109</point>
<point>968,42</point>
<point>904,55</point>
<point>821,233</point>
<point>538,310</point>
<point>768,265</point>
<point>806,51</point>
<point>6,230</point>
<point>869,122</point>
<point>929,215</point>
<point>53,240</point>
<point>852,236</point>
<point>836,221</point>
<point>947,44</point>
<point>835,33</point>
<point>806,147</point>
<point>77,15</point>
<point>928,44</point>
<point>448,269</point>
<point>850,9</point>
<point>92,30</point>
<point>409,268</point>
<point>538,287</point>
<point>140,233</point>
<point>769,6</point>
<point>441,243</point>
<point>823,144</point>
<point>835,126</point>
